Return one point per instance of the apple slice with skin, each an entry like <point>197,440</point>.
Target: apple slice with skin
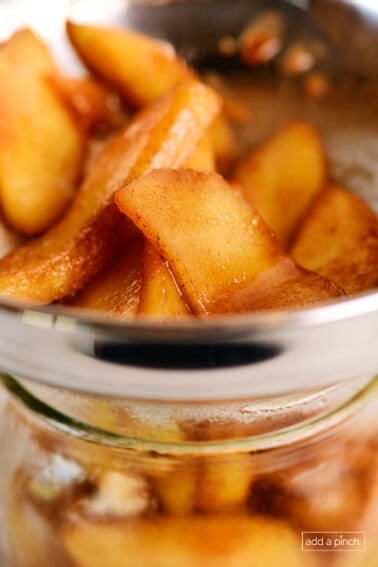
<point>69,255</point>
<point>221,253</point>
<point>41,148</point>
<point>283,176</point>
<point>339,239</point>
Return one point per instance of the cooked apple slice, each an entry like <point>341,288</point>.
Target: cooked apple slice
<point>88,100</point>
<point>25,48</point>
<point>160,296</point>
<point>282,178</point>
<point>174,486</point>
<point>41,149</point>
<point>224,144</point>
<point>339,239</point>
<point>222,254</point>
<point>139,67</point>
<point>224,484</point>
<point>235,540</point>
<point>69,255</point>
<point>116,291</point>
<point>203,158</point>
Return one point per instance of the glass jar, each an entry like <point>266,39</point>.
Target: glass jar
<point>241,441</point>
<point>113,482</point>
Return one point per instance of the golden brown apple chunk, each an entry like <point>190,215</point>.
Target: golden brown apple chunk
<point>222,254</point>
<point>234,540</point>
<point>139,67</point>
<point>41,149</point>
<point>69,255</point>
<point>116,291</point>
<point>283,176</point>
<point>224,484</point>
<point>203,158</point>
<point>160,296</point>
<point>339,239</point>
<point>88,100</point>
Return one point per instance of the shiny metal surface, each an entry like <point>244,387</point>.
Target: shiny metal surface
<point>283,351</point>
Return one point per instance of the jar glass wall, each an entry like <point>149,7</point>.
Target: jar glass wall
<point>211,496</point>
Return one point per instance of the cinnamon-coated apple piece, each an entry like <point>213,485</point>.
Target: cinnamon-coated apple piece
<point>219,541</point>
<point>339,239</point>
<point>203,158</point>
<point>141,68</point>
<point>41,148</point>
<point>283,176</point>
<point>224,144</point>
<point>116,291</point>
<point>89,101</point>
<point>138,67</point>
<point>70,254</point>
<point>160,296</point>
<point>222,254</point>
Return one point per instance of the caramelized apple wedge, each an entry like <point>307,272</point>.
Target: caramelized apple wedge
<point>224,484</point>
<point>141,69</point>
<point>282,178</point>
<point>25,47</point>
<point>159,296</point>
<point>224,144</point>
<point>222,254</point>
<point>203,158</point>
<point>175,487</point>
<point>339,239</point>
<point>41,149</point>
<point>69,255</point>
<point>116,291</point>
<point>138,67</point>
<point>88,101</point>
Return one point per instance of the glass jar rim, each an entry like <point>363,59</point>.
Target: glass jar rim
<point>314,427</point>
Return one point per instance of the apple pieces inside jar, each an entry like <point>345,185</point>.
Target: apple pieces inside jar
<point>184,542</point>
<point>41,148</point>
<point>283,176</point>
<point>339,239</point>
<point>220,251</point>
<point>68,256</point>
<point>224,484</point>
